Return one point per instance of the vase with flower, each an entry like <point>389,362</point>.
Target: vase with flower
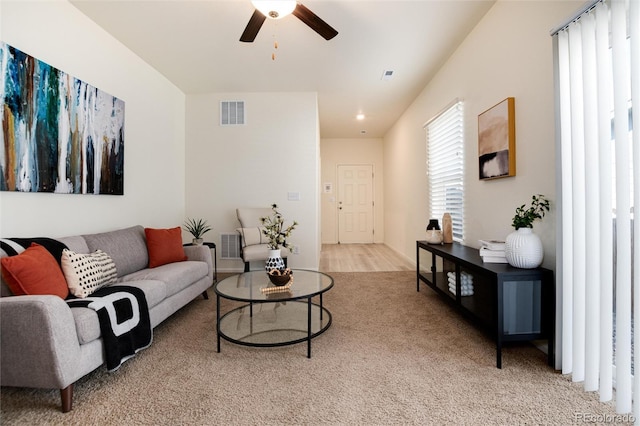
<point>523,248</point>
<point>277,235</point>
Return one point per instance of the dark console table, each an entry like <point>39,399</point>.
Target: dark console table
<point>513,304</point>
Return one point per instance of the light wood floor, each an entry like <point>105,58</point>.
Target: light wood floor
<point>362,258</point>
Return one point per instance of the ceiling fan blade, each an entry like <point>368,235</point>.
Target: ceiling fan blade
<point>254,25</point>
<point>312,20</point>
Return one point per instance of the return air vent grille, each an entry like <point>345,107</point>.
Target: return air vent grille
<point>231,113</point>
<point>229,245</point>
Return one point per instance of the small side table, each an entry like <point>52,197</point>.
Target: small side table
<point>212,246</point>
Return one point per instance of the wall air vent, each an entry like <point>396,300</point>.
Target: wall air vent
<point>232,113</point>
<point>229,245</point>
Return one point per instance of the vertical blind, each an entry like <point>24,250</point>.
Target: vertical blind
<point>598,80</point>
<point>445,166</point>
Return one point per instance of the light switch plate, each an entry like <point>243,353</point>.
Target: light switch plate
<point>293,196</point>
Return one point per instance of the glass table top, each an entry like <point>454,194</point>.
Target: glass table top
<point>248,286</point>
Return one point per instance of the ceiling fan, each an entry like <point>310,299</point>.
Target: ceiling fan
<point>279,9</point>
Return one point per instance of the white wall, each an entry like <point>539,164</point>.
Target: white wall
<point>255,165</point>
<point>509,53</point>
<point>335,152</point>
<point>58,34</point>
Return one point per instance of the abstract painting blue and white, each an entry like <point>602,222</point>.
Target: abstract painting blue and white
<point>59,134</point>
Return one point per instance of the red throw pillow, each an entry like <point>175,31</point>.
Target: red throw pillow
<point>34,271</point>
<point>164,246</point>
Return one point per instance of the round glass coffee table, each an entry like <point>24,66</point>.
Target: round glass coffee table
<point>271,316</point>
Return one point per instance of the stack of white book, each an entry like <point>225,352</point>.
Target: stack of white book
<point>492,251</point>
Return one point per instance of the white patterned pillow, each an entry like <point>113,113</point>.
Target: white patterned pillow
<point>86,273</point>
<point>251,236</point>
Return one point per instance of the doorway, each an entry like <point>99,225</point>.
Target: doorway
<point>355,204</point>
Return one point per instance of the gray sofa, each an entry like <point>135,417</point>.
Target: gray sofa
<point>46,344</point>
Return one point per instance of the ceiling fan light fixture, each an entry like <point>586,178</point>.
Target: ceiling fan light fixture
<point>275,9</point>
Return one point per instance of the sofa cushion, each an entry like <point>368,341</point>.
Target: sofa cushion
<point>127,247</point>
<point>76,243</point>
<point>252,236</point>
<point>176,276</point>
<point>87,324</point>
<point>164,246</point>
<point>86,273</point>
<point>155,291</point>
<point>34,271</point>
<point>259,252</point>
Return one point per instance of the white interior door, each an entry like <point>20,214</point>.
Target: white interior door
<point>355,203</point>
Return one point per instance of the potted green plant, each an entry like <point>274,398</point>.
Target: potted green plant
<point>524,217</point>
<point>277,234</point>
<point>523,248</point>
<point>197,228</point>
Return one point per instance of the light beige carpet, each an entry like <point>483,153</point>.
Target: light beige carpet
<point>391,356</point>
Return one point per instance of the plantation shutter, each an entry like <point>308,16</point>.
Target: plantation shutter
<point>445,166</point>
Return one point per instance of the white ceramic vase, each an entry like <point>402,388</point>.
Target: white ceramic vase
<point>434,236</point>
<point>523,249</point>
<point>274,261</point>
<point>447,228</point>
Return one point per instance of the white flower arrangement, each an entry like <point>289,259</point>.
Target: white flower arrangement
<point>276,232</point>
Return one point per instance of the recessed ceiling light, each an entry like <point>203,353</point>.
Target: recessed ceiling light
<point>360,116</point>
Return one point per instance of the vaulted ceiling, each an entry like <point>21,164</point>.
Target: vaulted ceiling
<point>195,44</point>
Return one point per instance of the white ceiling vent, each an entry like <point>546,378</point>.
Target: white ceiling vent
<point>232,113</point>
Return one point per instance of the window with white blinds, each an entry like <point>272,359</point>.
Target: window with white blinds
<point>445,166</point>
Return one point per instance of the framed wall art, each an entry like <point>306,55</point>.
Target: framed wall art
<point>497,141</point>
<point>59,134</point>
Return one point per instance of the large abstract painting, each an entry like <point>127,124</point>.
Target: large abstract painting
<point>59,134</point>
<point>497,141</point>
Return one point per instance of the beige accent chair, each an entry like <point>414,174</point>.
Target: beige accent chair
<point>253,242</point>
